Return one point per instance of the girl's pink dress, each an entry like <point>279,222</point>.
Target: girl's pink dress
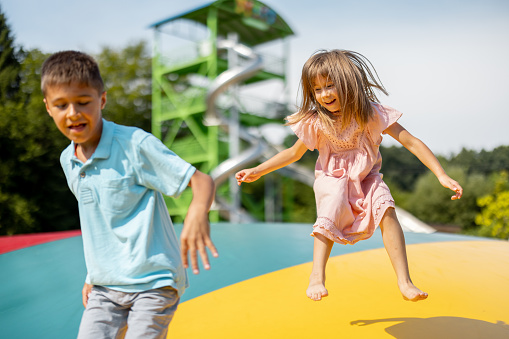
<point>351,197</point>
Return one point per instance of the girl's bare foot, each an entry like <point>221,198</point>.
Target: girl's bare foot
<point>412,293</point>
<point>321,251</point>
<point>316,290</point>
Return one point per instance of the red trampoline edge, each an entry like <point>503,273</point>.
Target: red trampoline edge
<point>11,243</point>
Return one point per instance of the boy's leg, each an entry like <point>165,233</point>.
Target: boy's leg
<point>321,252</point>
<point>104,317</point>
<point>151,313</point>
<point>394,242</point>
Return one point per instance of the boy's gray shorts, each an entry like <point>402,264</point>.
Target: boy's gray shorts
<point>113,314</point>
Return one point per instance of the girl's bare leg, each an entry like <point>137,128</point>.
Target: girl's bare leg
<point>321,251</point>
<point>394,242</point>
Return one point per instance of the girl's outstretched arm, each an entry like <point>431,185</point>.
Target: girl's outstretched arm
<point>421,151</point>
<point>281,159</point>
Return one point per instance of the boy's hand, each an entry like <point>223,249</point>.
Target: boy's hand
<point>247,175</point>
<point>195,238</point>
<point>447,182</point>
<point>87,288</point>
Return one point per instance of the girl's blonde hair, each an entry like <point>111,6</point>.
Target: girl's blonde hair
<point>354,81</point>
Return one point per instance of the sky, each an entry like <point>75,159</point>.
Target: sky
<point>445,63</point>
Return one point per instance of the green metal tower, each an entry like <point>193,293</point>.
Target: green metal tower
<point>216,70</point>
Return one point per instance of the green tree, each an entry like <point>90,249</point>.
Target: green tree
<point>431,202</point>
<point>16,208</point>
<point>127,75</point>
<point>483,162</point>
<point>34,196</point>
<point>494,216</point>
<point>9,62</point>
<point>401,168</point>
<point>34,193</point>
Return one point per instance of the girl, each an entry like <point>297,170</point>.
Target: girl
<point>342,118</point>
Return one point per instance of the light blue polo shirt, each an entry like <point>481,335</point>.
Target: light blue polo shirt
<point>128,237</point>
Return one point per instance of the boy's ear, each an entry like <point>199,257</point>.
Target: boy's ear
<point>46,104</point>
<point>103,100</point>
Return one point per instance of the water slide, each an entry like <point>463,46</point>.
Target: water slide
<point>261,148</point>
<point>213,118</point>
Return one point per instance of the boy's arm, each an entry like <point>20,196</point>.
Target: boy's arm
<point>195,236</point>
<point>282,159</point>
<point>424,154</point>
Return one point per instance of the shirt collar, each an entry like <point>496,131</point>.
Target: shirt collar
<point>103,149</point>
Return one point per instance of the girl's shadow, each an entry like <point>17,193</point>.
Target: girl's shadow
<point>441,327</point>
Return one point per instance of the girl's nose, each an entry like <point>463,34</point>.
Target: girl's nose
<point>326,92</point>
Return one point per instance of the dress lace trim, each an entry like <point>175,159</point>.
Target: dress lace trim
<point>380,206</point>
<point>327,228</point>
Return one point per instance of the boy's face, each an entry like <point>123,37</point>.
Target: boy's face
<point>76,110</point>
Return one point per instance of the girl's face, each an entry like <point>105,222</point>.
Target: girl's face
<point>326,94</point>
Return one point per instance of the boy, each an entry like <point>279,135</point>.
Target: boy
<point>117,173</point>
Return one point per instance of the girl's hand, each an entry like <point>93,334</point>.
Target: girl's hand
<point>282,159</point>
<point>447,182</point>
<point>247,175</point>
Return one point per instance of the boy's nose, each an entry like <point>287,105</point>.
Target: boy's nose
<point>72,110</point>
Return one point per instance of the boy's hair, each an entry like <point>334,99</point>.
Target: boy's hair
<point>354,83</point>
<point>64,68</point>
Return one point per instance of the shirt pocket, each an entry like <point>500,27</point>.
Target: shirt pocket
<point>86,196</point>
<point>120,194</point>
